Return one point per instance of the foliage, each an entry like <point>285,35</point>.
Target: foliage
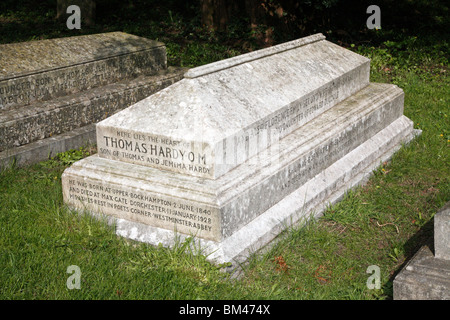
<point>70,156</point>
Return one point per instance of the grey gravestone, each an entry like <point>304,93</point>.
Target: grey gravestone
<point>241,148</point>
<point>427,276</point>
<point>49,88</point>
<point>442,233</point>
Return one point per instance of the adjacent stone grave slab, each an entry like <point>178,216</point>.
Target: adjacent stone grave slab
<point>45,69</point>
<point>41,150</point>
<point>423,278</point>
<point>24,125</point>
<point>49,88</point>
<point>239,148</point>
<point>442,233</point>
<point>427,276</point>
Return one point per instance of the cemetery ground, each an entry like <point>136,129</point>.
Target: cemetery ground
<point>382,223</point>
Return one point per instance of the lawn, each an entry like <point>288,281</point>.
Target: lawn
<point>382,223</point>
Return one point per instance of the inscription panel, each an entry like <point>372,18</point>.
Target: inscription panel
<point>155,151</point>
<point>59,82</point>
<point>321,154</point>
<point>136,205</point>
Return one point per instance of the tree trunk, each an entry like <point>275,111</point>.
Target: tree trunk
<point>221,16</point>
<point>215,14</point>
<point>257,14</point>
<point>207,14</point>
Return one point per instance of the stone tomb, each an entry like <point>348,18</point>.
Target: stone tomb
<point>427,276</point>
<point>239,149</point>
<point>53,91</point>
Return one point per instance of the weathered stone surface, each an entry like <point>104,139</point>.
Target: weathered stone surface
<point>222,114</point>
<point>427,276</point>
<point>235,199</point>
<point>442,233</point>
<point>53,90</point>
<point>41,150</point>
<point>305,203</point>
<point>241,148</point>
<point>46,69</point>
<point>423,278</point>
<point>20,126</point>
<point>311,198</point>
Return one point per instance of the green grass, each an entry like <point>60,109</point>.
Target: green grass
<point>382,223</point>
<point>41,239</point>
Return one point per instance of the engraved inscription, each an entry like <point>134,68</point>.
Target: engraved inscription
<point>53,83</point>
<point>337,147</point>
<point>145,208</point>
<point>155,151</point>
<point>44,86</point>
<point>268,132</point>
<point>305,109</point>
